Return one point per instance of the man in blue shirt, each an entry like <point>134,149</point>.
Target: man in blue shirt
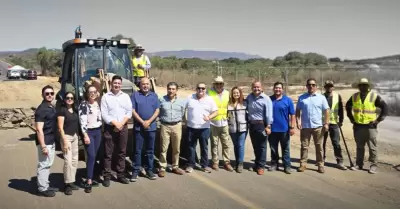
<point>260,119</point>
<point>145,109</point>
<point>282,128</point>
<point>310,107</point>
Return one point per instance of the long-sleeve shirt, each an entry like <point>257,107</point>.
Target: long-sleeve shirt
<point>115,107</point>
<point>89,116</point>
<point>172,111</point>
<point>341,109</point>
<point>379,102</point>
<point>260,108</point>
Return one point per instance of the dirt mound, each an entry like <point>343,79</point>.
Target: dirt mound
<point>16,117</point>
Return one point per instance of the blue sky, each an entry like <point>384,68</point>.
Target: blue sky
<point>348,29</point>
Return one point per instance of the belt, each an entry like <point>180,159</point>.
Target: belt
<point>94,128</point>
<point>256,122</point>
<point>170,123</point>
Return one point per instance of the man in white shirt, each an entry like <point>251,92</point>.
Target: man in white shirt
<point>200,110</point>
<point>116,110</point>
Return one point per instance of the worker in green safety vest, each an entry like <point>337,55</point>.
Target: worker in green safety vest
<point>335,122</point>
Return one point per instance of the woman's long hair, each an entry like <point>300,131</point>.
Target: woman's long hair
<point>241,97</point>
<point>86,97</point>
<point>65,100</point>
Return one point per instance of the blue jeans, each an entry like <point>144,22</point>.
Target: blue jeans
<point>92,149</point>
<point>238,140</point>
<point>282,138</point>
<point>201,135</point>
<point>259,140</point>
<point>146,138</point>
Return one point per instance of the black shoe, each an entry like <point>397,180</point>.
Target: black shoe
<point>47,193</point>
<point>134,177</point>
<point>88,188</point>
<point>68,189</point>
<point>123,180</point>
<point>53,189</point>
<point>151,175</point>
<point>95,184</point>
<point>106,182</point>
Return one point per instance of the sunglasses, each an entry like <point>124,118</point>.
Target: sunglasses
<point>311,84</point>
<point>49,93</point>
<point>201,88</point>
<point>69,98</point>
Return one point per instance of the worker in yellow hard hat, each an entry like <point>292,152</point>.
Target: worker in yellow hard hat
<point>141,64</point>
<point>361,110</point>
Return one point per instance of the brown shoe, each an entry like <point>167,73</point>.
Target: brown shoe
<point>215,166</point>
<point>228,167</point>
<point>302,168</point>
<point>178,171</point>
<point>161,173</point>
<point>321,169</point>
<point>260,171</point>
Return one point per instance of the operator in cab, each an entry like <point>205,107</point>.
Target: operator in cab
<point>141,64</point>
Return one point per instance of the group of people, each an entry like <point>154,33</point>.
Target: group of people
<point>211,114</point>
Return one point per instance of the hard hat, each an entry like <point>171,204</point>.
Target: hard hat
<point>138,47</point>
<point>363,81</point>
<point>218,79</point>
<point>329,82</point>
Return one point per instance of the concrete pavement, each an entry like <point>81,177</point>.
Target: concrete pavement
<point>221,189</point>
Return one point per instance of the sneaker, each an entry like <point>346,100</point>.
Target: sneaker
<point>123,180</point>
<point>357,168</point>
<point>215,166</point>
<point>88,188</point>
<point>341,166</point>
<point>106,182</point>
<point>206,169</point>
<point>178,171</point>
<point>68,189</point>
<point>74,186</point>
<point>228,167</point>
<point>134,177</point>
<point>287,170</point>
<point>151,175</point>
<point>189,169</point>
<point>373,169</point>
<point>239,168</point>
<point>161,173</point>
<point>273,167</point>
<point>302,168</point>
<point>47,193</point>
<point>321,169</point>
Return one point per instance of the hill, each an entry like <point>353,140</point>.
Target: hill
<point>205,55</point>
<point>385,60</point>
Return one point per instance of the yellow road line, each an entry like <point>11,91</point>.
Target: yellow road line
<point>224,191</point>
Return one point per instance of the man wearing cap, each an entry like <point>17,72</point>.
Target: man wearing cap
<point>219,124</point>
<point>361,110</point>
<point>335,122</point>
<point>140,63</point>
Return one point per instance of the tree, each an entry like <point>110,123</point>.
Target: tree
<point>120,36</point>
<point>44,59</point>
<point>335,59</point>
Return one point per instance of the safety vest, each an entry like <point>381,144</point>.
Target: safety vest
<point>334,116</point>
<point>364,113</point>
<point>135,62</point>
<point>222,104</point>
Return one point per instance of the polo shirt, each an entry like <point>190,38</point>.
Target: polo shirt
<point>312,107</point>
<point>282,108</point>
<point>145,106</point>
<point>46,113</point>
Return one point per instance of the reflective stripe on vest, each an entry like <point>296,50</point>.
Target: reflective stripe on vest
<point>364,113</point>
<point>222,104</point>
<point>135,62</point>
<point>334,118</point>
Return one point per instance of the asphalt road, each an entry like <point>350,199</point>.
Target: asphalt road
<point>221,189</point>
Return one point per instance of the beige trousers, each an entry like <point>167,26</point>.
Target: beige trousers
<point>170,134</point>
<point>220,134</point>
<point>70,158</point>
<point>305,137</point>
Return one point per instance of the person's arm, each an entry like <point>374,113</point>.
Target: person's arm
<point>156,112</point>
<point>298,112</point>
<point>269,119</point>
<point>341,111</point>
<point>39,123</point>
<point>82,111</point>
<point>349,107</point>
<point>292,114</point>
<point>326,109</point>
<point>128,110</point>
<point>214,109</point>
<point>379,102</point>
<point>105,112</point>
<point>148,64</point>
<point>60,123</point>
<point>134,113</point>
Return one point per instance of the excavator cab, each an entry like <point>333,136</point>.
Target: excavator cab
<point>94,61</point>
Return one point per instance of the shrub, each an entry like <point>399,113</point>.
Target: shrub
<point>394,106</point>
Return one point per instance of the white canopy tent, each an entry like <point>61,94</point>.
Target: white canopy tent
<point>17,67</point>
